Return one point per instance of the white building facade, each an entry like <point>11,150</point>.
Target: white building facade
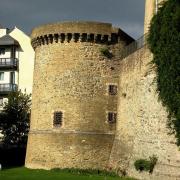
<point>16,63</point>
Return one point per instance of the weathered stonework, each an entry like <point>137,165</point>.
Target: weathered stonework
<point>71,75</point>
<point>141,129</point>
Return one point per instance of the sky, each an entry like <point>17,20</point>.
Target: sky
<point>27,14</point>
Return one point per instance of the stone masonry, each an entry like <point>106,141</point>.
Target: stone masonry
<point>141,129</point>
<point>72,76</point>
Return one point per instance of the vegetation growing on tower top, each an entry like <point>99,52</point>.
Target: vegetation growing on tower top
<point>164,42</point>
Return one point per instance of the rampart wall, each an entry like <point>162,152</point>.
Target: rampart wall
<point>141,129</point>
<point>71,75</point>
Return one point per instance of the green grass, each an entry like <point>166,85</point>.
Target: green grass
<point>27,174</point>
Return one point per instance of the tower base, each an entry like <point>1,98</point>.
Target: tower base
<point>85,150</point>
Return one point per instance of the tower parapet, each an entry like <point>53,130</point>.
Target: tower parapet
<point>94,32</point>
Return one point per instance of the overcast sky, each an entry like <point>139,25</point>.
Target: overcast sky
<point>26,14</point>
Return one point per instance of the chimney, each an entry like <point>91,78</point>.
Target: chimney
<point>3,31</point>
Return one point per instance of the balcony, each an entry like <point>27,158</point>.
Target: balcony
<point>8,63</point>
<point>7,88</point>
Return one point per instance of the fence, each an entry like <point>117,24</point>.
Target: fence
<point>134,46</point>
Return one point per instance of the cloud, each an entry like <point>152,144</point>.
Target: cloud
<point>134,29</point>
<point>26,14</point>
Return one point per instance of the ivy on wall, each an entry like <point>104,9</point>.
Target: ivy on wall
<point>164,43</point>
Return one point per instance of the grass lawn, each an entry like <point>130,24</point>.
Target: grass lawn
<point>22,173</point>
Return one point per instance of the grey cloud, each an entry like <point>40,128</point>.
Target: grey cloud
<point>26,14</point>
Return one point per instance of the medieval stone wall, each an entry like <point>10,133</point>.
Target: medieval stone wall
<point>72,76</point>
<point>47,150</point>
<point>142,122</point>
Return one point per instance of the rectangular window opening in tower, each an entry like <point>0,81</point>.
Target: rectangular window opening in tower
<point>112,89</point>
<point>57,121</point>
<point>112,117</point>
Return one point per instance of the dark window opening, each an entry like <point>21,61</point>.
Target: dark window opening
<point>58,115</point>
<point>1,76</point>
<point>112,117</point>
<point>1,102</point>
<point>112,90</point>
<point>2,51</point>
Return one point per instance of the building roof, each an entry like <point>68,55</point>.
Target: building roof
<point>8,40</point>
<point>126,37</point>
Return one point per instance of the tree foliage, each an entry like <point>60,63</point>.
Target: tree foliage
<point>164,42</point>
<point>14,119</point>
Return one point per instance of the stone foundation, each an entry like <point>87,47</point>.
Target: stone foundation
<point>68,149</point>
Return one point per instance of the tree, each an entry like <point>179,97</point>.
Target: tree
<point>15,118</point>
<point>164,42</point>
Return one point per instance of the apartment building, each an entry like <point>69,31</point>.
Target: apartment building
<point>16,63</point>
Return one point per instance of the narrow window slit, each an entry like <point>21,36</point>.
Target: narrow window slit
<point>112,89</point>
<point>112,117</point>
<point>57,122</point>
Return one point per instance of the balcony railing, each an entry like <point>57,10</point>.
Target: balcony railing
<point>8,63</point>
<point>134,46</point>
<point>7,88</point>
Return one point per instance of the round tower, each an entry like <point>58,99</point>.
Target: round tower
<point>74,96</point>
<point>151,8</point>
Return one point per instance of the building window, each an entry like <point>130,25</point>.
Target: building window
<point>112,116</point>
<point>1,76</point>
<point>57,122</point>
<point>2,51</point>
<point>12,78</point>
<point>112,89</point>
<point>1,102</point>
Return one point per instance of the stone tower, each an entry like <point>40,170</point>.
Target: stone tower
<point>74,100</point>
<point>151,7</point>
